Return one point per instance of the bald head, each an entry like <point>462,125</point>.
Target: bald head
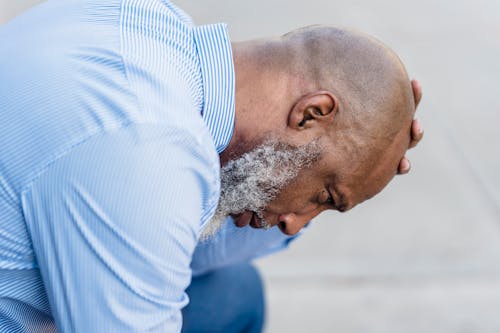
<point>368,78</point>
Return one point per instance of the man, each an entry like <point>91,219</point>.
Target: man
<point>116,120</point>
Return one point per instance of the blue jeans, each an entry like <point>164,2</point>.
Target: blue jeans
<point>229,299</point>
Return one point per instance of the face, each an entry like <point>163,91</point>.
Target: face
<point>357,161</point>
<point>339,180</point>
<point>286,186</point>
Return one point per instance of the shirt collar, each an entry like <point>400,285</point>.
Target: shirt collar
<point>217,71</point>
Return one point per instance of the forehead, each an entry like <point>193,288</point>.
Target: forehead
<point>358,176</point>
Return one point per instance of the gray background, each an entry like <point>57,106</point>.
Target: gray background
<point>424,255</point>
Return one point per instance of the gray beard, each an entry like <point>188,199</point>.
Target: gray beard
<point>252,181</point>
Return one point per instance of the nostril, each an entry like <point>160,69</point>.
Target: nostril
<point>282,226</point>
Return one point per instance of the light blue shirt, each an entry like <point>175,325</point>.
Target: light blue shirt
<point>112,116</point>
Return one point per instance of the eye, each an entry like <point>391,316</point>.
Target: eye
<point>330,200</point>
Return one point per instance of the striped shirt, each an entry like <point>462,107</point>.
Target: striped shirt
<point>107,170</point>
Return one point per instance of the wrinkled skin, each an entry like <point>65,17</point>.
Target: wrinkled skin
<point>329,184</point>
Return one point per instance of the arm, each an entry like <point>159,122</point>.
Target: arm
<point>232,245</point>
<point>114,224</point>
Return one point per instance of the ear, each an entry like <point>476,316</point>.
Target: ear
<point>317,108</point>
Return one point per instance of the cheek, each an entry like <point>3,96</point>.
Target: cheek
<point>293,198</point>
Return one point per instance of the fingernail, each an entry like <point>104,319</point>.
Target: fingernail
<point>407,165</point>
<point>419,126</point>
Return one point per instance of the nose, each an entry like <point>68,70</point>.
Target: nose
<point>291,223</point>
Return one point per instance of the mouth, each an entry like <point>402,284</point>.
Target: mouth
<point>247,218</point>
<point>255,222</point>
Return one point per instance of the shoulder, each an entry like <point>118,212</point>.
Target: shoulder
<point>153,169</point>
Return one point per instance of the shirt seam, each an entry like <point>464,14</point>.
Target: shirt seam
<point>65,152</point>
<point>124,65</point>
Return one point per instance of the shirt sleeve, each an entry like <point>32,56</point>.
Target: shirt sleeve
<point>232,245</point>
<point>114,224</point>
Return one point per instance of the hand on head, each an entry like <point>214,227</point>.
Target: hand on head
<point>417,131</point>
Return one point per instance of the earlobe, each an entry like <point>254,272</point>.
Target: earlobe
<point>312,109</point>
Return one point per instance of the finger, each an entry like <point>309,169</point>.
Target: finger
<point>404,166</point>
<point>417,132</point>
<point>417,91</point>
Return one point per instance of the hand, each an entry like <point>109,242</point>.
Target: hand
<point>417,132</point>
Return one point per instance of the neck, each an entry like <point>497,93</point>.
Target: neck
<point>266,90</point>
<point>252,82</point>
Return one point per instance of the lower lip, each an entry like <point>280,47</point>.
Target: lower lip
<point>244,219</point>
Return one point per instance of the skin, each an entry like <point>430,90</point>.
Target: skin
<point>288,88</point>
